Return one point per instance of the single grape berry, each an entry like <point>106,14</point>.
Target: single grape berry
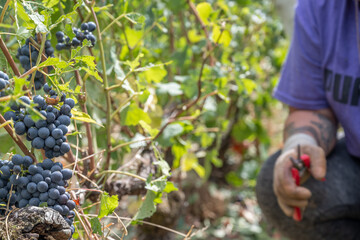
<point>31,187</point>
<point>44,132</point>
<point>34,202</point>
<point>38,143</point>
<point>59,35</point>
<point>54,193</point>
<point>56,177</point>
<point>70,102</point>
<point>84,26</point>
<point>20,128</point>
<point>42,187</point>
<point>64,148</point>
<point>57,133</point>
<point>91,26</point>
<point>27,161</point>
<point>28,121</point>
<point>23,202</point>
<point>17,159</point>
<point>32,133</point>
<point>63,119</point>
<point>37,178</point>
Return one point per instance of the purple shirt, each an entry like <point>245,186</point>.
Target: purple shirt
<point>322,68</point>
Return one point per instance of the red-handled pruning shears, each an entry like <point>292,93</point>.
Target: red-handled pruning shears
<point>300,166</point>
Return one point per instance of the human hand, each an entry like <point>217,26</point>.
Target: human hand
<point>288,194</point>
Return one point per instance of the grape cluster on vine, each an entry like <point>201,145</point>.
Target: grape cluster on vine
<point>4,83</point>
<point>85,32</point>
<point>24,183</point>
<point>28,55</point>
<point>49,133</point>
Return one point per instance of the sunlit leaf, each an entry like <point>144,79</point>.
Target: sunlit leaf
<point>108,204</point>
<point>204,10</point>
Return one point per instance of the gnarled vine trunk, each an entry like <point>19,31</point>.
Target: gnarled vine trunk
<point>33,223</point>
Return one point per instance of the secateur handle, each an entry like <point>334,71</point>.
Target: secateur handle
<point>295,172</point>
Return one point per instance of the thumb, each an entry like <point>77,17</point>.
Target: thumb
<point>317,161</point>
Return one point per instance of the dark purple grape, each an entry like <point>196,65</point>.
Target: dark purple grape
<point>17,159</point>
<point>63,119</point>
<point>84,26</point>
<point>28,121</point>
<point>44,132</point>
<point>27,161</point>
<point>57,133</point>
<point>23,202</point>
<point>91,26</point>
<point>38,143</point>
<point>34,202</point>
<point>56,177</point>
<point>37,178</point>
<point>54,193</point>
<point>59,35</point>
<point>20,128</point>
<point>32,133</point>
<point>33,169</point>
<point>31,187</point>
<point>42,186</point>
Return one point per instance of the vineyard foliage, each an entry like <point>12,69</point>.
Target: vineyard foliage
<point>188,81</point>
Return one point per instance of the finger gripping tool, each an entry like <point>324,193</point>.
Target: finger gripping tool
<point>300,165</point>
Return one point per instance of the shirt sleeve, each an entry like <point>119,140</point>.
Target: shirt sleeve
<point>301,82</point>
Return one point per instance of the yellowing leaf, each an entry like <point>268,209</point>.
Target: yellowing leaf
<point>190,162</point>
<point>170,187</point>
<point>194,37</point>
<point>204,10</point>
<point>249,85</point>
<point>133,36</point>
<point>83,117</point>
<point>155,74</point>
<point>134,64</point>
<point>152,131</point>
<point>54,61</point>
<point>221,38</point>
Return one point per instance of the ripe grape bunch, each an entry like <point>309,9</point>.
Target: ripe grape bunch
<point>4,82</point>
<point>49,133</point>
<point>85,32</point>
<point>24,183</point>
<point>28,55</point>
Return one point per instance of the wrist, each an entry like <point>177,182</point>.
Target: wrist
<point>299,139</point>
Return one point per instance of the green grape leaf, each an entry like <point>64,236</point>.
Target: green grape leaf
<point>132,115</point>
<point>66,16</point>
<point>23,33</point>
<point>96,225</point>
<point>164,166</point>
<point>148,207</point>
<point>108,204</point>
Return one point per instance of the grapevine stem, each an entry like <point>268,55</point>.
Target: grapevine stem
<point>106,85</point>
<point>9,58</point>
<point>4,10</point>
<point>129,143</point>
<point>16,139</point>
<point>38,60</point>
<point>123,173</point>
<point>82,101</point>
